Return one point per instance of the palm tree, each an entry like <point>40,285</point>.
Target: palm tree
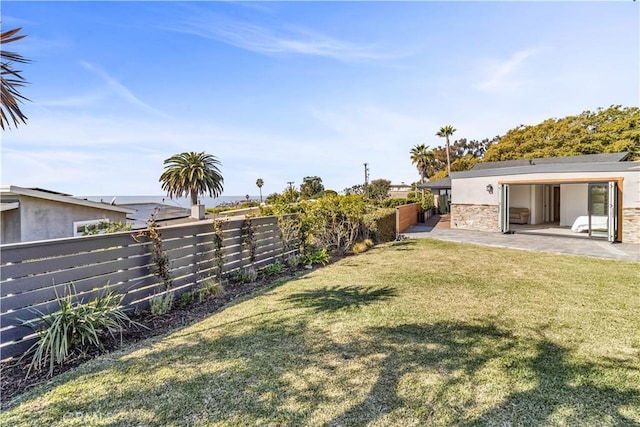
<point>446,132</point>
<point>260,183</point>
<point>192,173</point>
<point>422,157</point>
<point>10,81</point>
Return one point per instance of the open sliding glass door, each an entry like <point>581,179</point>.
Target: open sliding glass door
<point>602,210</point>
<point>598,210</point>
<point>503,208</point>
<point>612,213</point>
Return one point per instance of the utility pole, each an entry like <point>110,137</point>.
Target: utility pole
<point>366,180</point>
<point>290,189</point>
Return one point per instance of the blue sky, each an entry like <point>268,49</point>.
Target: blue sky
<point>283,90</point>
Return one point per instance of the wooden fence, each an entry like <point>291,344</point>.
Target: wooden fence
<point>33,273</point>
<point>406,216</point>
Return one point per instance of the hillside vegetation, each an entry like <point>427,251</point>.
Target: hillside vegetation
<point>611,130</point>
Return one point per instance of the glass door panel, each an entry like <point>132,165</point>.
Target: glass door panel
<point>503,208</point>
<point>598,204</point>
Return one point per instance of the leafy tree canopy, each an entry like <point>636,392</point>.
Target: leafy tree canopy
<point>192,174</point>
<point>610,130</point>
<point>379,189</point>
<point>311,185</point>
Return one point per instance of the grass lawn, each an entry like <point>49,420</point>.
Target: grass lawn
<point>412,333</point>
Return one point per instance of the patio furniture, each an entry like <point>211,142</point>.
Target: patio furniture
<point>518,215</point>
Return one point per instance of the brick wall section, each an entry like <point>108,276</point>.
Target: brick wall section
<point>631,225</point>
<point>406,216</point>
<point>475,217</point>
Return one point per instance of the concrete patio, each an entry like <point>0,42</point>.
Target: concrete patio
<point>438,228</point>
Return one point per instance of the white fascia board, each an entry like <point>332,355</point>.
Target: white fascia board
<point>20,191</point>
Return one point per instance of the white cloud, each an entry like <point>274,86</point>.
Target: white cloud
<point>505,75</point>
<point>122,91</point>
<point>272,41</point>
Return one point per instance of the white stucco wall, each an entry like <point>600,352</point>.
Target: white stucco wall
<point>520,196</point>
<point>46,219</point>
<point>473,190</point>
<point>573,203</point>
<point>537,204</point>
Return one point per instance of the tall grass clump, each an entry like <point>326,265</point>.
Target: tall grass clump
<point>161,304</point>
<point>75,327</point>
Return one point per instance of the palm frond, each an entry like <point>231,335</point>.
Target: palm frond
<point>11,80</point>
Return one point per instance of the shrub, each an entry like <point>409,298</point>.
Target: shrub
<point>105,227</point>
<point>359,248</point>
<point>161,304</point>
<point>210,288</point>
<point>185,299</point>
<point>245,275</point>
<point>75,326</point>
<point>428,202</point>
<point>363,246</point>
<point>335,222</point>
<point>315,257</point>
<point>380,225</point>
<point>394,203</point>
<point>294,261</point>
<point>273,269</point>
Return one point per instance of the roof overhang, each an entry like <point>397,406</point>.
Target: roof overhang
<point>12,190</point>
<point>438,184</point>
<point>551,169</point>
<point>8,206</point>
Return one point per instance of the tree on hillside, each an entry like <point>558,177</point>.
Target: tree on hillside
<point>354,189</point>
<point>446,132</point>
<point>379,189</point>
<point>311,185</point>
<point>192,174</point>
<point>610,130</point>
<point>423,158</point>
<point>11,80</point>
<point>259,184</point>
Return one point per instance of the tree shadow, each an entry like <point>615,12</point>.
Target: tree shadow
<point>566,394</point>
<point>332,299</point>
<point>277,372</point>
<point>444,347</point>
<point>404,245</point>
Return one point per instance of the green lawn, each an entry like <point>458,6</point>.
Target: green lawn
<point>413,333</point>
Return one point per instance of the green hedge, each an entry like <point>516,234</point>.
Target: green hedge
<point>381,225</point>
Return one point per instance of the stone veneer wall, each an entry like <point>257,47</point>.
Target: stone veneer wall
<point>475,217</point>
<point>631,225</point>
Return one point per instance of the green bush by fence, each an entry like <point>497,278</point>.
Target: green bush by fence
<point>381,224</point>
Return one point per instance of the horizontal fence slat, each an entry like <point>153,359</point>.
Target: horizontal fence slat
<point>54,264</point>
<point>19,252</point>
<point>26,284</point>
<point>32,272</point>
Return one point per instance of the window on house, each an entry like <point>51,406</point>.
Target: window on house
<point>92,226</point>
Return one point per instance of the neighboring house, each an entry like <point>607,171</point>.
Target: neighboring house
<point>29,214</point>
<point>596,195</point>
<point>164,214</point>
<point>441,190</point>
<point>399,191</point>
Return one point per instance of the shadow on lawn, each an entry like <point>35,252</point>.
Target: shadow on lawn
<point>286,372</point>
<point>340,297</point>
<point>466,349</point>
<point>562,385</point>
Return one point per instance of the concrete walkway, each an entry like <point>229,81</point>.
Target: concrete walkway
<point>553,244</point>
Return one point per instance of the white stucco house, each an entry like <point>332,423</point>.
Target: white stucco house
<point>29,214</point>
<point>596,196</point>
